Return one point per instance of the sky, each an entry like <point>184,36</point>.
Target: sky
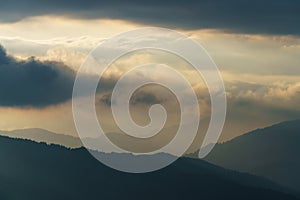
<point>255,44</point>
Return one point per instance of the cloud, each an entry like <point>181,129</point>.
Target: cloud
<point>33,83</point>
<point>139,97</point>
<point>253,105</point>
<point>36,83</point>
<point>269,17</point>
<point>146,98</point>
<point>278,92</point>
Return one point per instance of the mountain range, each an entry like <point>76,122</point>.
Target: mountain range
<point>31,170</point>
<point>271,152</point>
<point>41,135</point>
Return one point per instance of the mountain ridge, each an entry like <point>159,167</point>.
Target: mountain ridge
<point>270,152</point>
<point>43,135</point>
<point>33,170</point>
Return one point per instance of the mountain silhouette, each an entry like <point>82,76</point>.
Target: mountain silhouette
<point>272,152</point>
<point>31,170</point>
<point>41,135</point>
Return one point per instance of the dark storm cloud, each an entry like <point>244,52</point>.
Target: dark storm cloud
<point>143,97</point>
<point>33,83</point>
<point>255,16</point>
<point>106,99</point>
<point>140,97</point>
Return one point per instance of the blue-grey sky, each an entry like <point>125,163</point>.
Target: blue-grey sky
<point>256,45</point>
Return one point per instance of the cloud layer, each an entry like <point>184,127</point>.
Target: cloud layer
<point>267,17</point>
<point>33,83</point>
